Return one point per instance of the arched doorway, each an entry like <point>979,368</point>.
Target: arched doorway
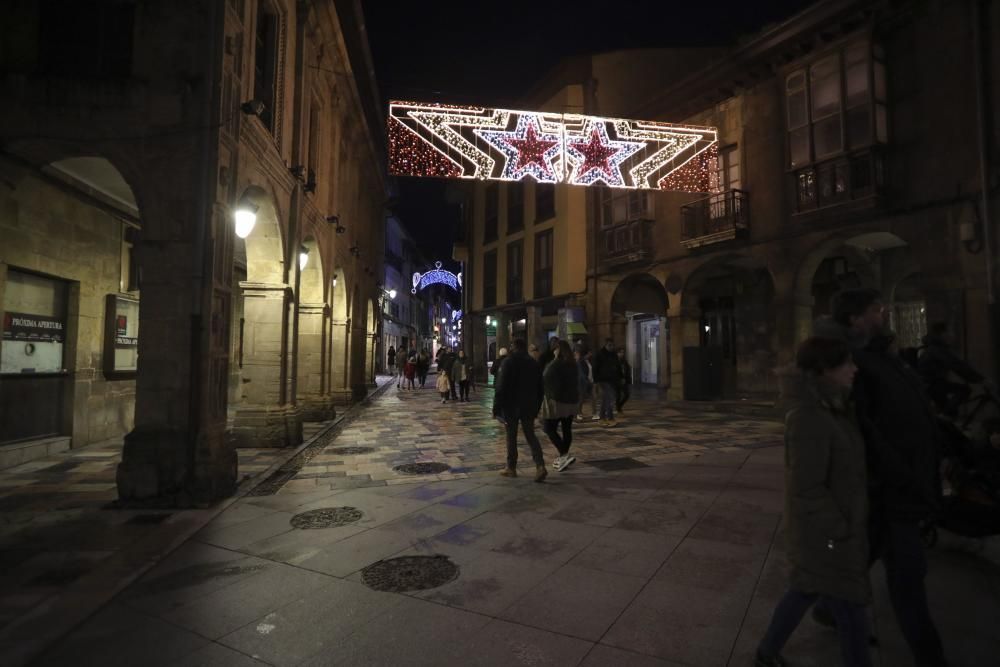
<point>261,414</point>
<point>69,296</point>
<point>639,320</point>
<point>729,329</point>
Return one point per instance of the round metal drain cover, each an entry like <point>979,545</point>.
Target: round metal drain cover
<point>327,517</point>
<point>409,573</point>
<point>351,450</point>
<point>422,468</point>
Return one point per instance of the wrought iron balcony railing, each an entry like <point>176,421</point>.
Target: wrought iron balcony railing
<point>846,178</point>
<point>719,217</point>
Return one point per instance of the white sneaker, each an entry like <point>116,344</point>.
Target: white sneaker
<point>564,462</point>
<point>557,462</point>
<point>594,418</point>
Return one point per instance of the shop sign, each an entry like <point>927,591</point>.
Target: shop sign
<point>23,326</point>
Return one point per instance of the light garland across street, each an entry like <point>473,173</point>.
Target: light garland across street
<point>451,141</point>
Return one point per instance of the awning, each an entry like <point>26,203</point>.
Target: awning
<point>575,329</point>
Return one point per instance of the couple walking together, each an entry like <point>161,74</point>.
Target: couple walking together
<point>860,474</point>
<point>523,389</point>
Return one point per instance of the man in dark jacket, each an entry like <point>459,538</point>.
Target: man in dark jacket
<point>607,372</point>
<point>900,434</point>
<point>517,399</point>
<point>550,353</point>
<point>445,365</point>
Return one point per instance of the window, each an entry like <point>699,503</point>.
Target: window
<point>490,279</point>
<point>266,62</point>
<point>620,206</point>
<point>729,168</point>
<point>543,264</point>
<point>515,207</point>
<point>834,105</point>
<point>492,214</point>
<point>515,272</point>
<point>86,37</point>
<point>545,201</point>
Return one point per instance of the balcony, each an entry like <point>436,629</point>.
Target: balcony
<point>857,179</point>
<point>720,217</point>
<point>626,242</point>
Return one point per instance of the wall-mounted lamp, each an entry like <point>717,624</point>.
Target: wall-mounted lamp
<point>335,220</point>
<point>245,216</point>
<point>335,280</point>
<point>298,171</point>
<point>391,293</point>
<point>303,257</point>
<point>253,107</point>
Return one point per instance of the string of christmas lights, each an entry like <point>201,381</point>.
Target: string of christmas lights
<point>455,141</point>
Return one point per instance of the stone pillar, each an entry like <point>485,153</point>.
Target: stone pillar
<point>503,331</point>
<point>534,332</point>
<point>340,366</point>
<point>315,403</point>
<point>266,416</point>
<point>682,327</point>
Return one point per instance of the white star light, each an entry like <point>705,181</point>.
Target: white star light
<point>546,172</point>
<point>596,128</point>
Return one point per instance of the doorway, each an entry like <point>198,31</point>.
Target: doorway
<point>649,346</point>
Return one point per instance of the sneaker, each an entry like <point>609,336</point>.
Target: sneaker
<point>558,460</point>
<point>579,418</point>
<point>565,462</point>
<point>594,418</point>
<point>444,400</point>
<point>761,660</point>
<point>541,473</point>
<point>508,472</point>
<point>610,423</point>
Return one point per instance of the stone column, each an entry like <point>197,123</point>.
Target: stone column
<point>340,366</point>
<point>315,403</point>
<point>266,417</point>
<point>503,331</point>
<point>682,327</point>
<point>534,332</point>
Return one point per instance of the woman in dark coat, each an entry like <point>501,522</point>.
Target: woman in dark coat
<point>826,506</point>
<point>562,396</point>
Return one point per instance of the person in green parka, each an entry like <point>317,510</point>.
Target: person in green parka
<point>826,506</point>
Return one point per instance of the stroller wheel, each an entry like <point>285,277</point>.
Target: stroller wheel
<point>929,535</point>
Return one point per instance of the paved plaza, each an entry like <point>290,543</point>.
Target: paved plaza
<point>661,546</point>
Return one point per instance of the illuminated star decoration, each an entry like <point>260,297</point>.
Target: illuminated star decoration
<point>529,150</point>
<point>597,157</point>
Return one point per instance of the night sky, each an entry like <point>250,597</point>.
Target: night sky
<point>491,53</point>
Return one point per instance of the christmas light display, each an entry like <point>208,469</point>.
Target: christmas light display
<point>436,276</point>
<point>452,141</point>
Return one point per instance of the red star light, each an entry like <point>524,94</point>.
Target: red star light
<point>531,150</point>
<point>595,153</point>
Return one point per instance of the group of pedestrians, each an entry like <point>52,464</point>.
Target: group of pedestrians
<point>455,378</point>
<point>605,380</point>
<point>409,370</point>
<point>861,474</point>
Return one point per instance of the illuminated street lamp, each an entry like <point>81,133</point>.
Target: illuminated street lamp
<point>392,294</point>
<point>246,217</point>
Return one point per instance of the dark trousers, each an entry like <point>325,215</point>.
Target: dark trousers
<point>902,553</point>
<point>527,425</point>
<point>624,392</point>
<point>607,400</point>
<point>852,626</point>
<point>423,378</point>
<point>454,395</point>
<point>464,389</point>
<point>552,430</point>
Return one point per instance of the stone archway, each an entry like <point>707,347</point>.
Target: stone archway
<point>371,339</point>
<point>639,308</point>
<point>728,319</point>
<point>264,414</point>
<point>340,337</point>
<point>312,377</point>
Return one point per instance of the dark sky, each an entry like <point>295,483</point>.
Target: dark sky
<point>490,53</point>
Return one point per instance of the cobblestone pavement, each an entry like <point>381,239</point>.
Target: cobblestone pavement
<point>404,427</point>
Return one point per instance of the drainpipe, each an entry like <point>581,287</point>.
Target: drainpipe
<point>982,116</point>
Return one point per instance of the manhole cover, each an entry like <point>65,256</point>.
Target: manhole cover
<point>327,517</point>
<point>351,450</point>
<point>409,573</point>
<point>422,468</point>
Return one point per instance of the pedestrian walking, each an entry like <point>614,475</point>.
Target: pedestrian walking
<point>391,364</point>
<point>562,397</point>
<point>447,363</point>
<point>410,373</point>
<point>517,398</point>
<point>586,383</point>
<point>443,385</point>
<point>901,436</point>
<point>606,374</point>
<point>460,374</point>
<point>826,506</point>
<point>423,366</point>
<point>495,368</point>
<point>624,380</point>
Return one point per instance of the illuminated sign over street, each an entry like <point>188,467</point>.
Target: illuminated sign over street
<point>450,141</point>
<point>436,276</point>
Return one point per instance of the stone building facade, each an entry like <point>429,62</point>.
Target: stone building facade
<point>133,138</point>
<point>849,156</point>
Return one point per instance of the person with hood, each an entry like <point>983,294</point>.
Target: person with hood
<point>901,437</point>
<point>826,507</point>
<point>562,395</point>
<point>460,374</point>
<point>517,398</point>
<point>606,374</point>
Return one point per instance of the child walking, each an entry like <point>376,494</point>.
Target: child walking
<point>443,386</point>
